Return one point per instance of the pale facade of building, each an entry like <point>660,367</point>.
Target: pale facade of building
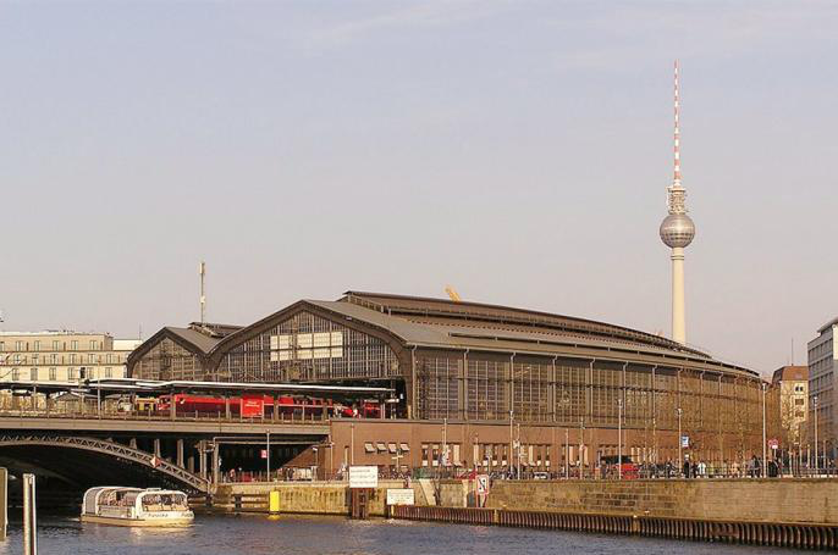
<point>62,356</point>
<point>822,391</point>
<point>790,392</point>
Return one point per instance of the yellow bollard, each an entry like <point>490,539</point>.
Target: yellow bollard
<point>273,503</point>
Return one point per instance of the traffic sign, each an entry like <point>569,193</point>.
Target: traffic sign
<point>774,443</point>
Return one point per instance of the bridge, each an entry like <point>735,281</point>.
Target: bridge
<point>186,452</point>
<point>92,439</point>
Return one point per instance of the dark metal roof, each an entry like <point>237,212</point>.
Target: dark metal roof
<point>214,330</point>
<point>201,341</point>
<point>480,315</point>
<point>523,341</point>
<point>790,374</point>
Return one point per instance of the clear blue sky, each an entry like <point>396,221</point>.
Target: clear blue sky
<point>519,151</point>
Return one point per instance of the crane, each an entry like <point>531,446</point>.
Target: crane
<point>453,295</point>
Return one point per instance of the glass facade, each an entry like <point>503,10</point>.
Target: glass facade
<point>574,393</point>
<point>306,347</point>
<point>168,360</point>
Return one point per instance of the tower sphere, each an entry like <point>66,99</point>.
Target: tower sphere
<point>677,231</point>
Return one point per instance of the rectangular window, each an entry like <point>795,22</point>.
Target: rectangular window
<point>91,358</point>
<point>71,373</point>
<point>74,345</point>
<point>37,345</point>
<point>34,359</point>
<point>52,374</point>
<point>73,358</point>
<point>2,345</point>
<point>54,344</point>
<point>53,358</point>
<point>33,374</point>
<point>93,345</point>
<point>108,372</point>
<point>18,345</point>
<point>15,375</point>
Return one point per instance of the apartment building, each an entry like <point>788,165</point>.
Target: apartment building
<point>62,356</point>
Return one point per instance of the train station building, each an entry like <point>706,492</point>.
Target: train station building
<point>489,385</point>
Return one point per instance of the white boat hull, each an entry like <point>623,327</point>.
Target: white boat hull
<point>173,521</point>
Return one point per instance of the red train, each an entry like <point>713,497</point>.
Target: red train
<point>255,406</point>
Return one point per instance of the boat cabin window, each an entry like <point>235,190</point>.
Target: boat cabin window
<point>165,502</point>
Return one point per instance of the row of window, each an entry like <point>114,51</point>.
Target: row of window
<point>73,358</point>
<point>52,373</point>
<point>57,345</point>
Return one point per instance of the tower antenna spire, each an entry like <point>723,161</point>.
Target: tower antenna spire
<point>677,130</point>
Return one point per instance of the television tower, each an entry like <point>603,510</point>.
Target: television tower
<point>677,230</point>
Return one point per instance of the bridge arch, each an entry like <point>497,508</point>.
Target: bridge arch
<point>112,449</point>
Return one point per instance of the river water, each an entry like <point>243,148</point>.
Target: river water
<point>292,535</point>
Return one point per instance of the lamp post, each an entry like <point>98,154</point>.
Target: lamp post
<point>511,440</point>
<point>679,411</point>
<point>816,432</point>
<point>619,439</point>
<point>567,453</point>
<point>268,455</point>
<point>581,443</point>
<point>764,435</point>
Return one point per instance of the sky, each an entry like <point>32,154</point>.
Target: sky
<point>517,150</point>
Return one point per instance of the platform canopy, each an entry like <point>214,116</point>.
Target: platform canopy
<point>155,387</point>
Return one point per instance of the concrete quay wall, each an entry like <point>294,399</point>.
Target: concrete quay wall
<point>323,498</point>
<point>810,501</point>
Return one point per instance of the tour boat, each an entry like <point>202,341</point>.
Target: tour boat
<point>120,506</point>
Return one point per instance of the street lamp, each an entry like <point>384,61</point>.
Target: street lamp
<point>581,443</point>
<point>764,437</point>
<point>620,439</point>
<point>679,411</point>
<point>816,432</point>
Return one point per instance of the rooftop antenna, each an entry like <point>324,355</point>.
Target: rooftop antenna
<point>202,271</point>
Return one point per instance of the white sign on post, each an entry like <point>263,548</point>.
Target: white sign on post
<point>363,476</point>
<point>483,484</point>
<point>400,497</point>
